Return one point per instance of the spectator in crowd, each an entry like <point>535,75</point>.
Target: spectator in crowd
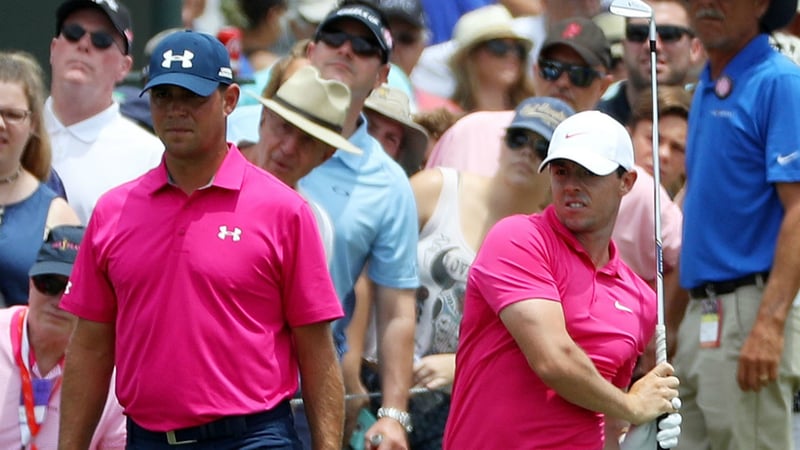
<point>260,25</point>
<point>372,206</point>
<point>673,116</point>
<point>740,259</point>
<point>32,349</point>
<point>89,55</point>
<point>251,329</point>
<point>300,130</point>
<point>574,63</point>
<point>490,61</point>
<point>28,208</point>
<point>613,27</point>
<point>389,121</point>
<point>544,354</point>
<point>678,52</point>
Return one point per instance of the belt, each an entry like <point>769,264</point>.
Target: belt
<point>726,287</point>
<point>224,427</point>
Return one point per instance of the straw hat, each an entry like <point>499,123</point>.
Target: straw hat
<point>316,106</point>
<point>481,25</point>
<point>393,103</point>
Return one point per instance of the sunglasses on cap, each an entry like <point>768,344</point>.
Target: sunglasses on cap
<point>581,76</point>
<point>100,39</point>
<point>639,32</point>
<point>501,47</point>
<point>50,284</point>
<point>516,139</point>
<point>361,46</point>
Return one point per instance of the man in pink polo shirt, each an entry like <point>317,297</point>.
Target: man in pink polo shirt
<point>553,319</point>
<point>193,281</point>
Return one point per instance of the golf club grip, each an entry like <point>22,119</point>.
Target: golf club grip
<point>661,356</point>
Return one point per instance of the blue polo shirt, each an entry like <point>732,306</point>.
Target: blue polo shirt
<point>737,148</point>
<point>374,214</point>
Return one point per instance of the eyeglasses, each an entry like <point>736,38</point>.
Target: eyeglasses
<point>50,284</point>
<point>100,39</point>
<point>639,32</point>
<point>14,115</point>
<point>516,139</point>
<point>361,46</point>
<point>581,76</point>
<point>500,48</point>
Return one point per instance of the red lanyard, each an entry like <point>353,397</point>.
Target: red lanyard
<point>27,383</point>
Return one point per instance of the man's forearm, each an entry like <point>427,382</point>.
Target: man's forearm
<point>784,279</point>
<point>396,345</point>
<point>323,390</point>
<point>87,373</point>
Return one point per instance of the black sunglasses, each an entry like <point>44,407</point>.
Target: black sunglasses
<point>361,45</point>
<point>74,32</point>
<point>500,47</point>
<point>516,139</point>
<point>639,32</point>
<point>581,76</point>
<point>50,284</point>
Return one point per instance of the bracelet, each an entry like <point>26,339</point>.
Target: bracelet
<point>401,416</point>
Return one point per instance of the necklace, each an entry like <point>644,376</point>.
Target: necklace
<point>13,177</point>
<point>9,180</point>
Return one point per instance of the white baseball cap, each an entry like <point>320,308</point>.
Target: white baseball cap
<point>594,140</point>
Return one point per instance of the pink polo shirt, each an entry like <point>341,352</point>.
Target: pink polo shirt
<point>472,144</point>
<point>203,291</point>
<point>110,432</point>
<point>610,313</point>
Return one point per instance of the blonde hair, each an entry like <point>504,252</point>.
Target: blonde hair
<point>278,72</point>
<point>21,68</point>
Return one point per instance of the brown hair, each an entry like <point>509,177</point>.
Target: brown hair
<point>21,68</point>
<point>672,100</point>
<point>467,84</point>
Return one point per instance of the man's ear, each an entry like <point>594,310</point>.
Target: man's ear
<point>627,181</point>
<point>124,68</point>
<point>230,97</point>
<point>382,75</point>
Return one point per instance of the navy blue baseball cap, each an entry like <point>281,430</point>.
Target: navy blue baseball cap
<point>194,61</point>
<point>58,252</point>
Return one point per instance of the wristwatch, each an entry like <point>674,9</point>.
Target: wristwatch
<point>401,416</point>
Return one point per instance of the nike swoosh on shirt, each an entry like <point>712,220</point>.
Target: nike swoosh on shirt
<point>786,159</point>
<point>621,307</point>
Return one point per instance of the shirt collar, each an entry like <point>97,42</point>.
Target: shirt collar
<point>230,174</point>
<point>611,267</point>
<point>747,57</point>
<point>360,139</point>
<point>86,130</point>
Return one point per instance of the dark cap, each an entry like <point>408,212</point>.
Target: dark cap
<point>540,115</point>
<point>779,14</point>
<point>370,17</point>
<point>409,11</point>
<point>194,61</point>
<point>57,253</point>
<point>116,12</point>
<point>583,36</point>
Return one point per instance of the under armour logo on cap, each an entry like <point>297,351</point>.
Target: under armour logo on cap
<point>235,234</point>
<point>203,63</point>
<point>185,59</point>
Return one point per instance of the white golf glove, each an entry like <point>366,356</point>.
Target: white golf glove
<point>668,431</point>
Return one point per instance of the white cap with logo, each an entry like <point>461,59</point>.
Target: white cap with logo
<point>594,140</point>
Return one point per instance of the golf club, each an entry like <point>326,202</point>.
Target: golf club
<point>641,10</point>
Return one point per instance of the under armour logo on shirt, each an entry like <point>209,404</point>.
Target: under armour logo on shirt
<point>185,59</point>
<point>235,234</point>
<point>111,4</point>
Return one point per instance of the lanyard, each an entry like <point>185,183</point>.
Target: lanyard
<point>30,422</point>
